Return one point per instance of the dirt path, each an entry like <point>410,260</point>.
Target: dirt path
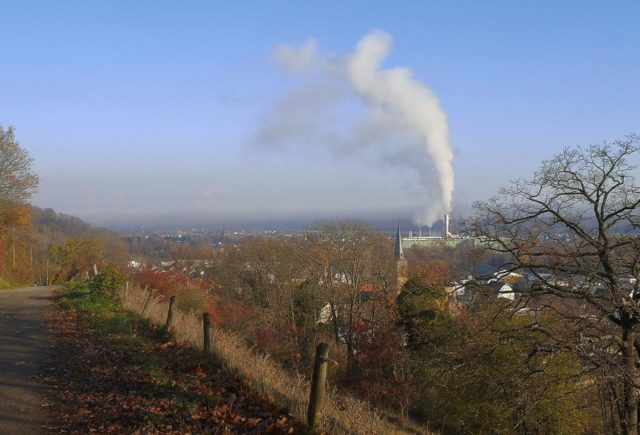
<point>23,342</point>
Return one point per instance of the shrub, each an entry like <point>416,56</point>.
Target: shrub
<point>165,282</point>
<point>191,298</point>
<point>108,282</point>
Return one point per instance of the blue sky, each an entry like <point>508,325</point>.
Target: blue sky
<point>139,112</point>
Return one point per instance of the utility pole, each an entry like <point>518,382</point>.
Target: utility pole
<point>31,262</point>
<point>13,229</point>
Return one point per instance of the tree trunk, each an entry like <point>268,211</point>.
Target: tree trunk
<point>334,319</point>
<point>630,423</point>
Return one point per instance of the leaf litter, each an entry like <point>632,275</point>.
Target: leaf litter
<point>98,383</point>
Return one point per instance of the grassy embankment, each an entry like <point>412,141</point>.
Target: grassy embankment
<point>126,375</point>
<point>342,413</point>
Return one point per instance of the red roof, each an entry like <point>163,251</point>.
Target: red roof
<point>368,287</point>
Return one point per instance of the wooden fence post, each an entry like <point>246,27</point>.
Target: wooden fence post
<point>207,327</point>
<point>318,384</point>
<point>172,303</point>
<point>146,303</point>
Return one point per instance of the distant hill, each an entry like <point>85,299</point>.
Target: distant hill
<point>60,225</point>
<point>26,250</point>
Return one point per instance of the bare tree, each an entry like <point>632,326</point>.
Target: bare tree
<point>345,257</point>
<point>572,229</point>
<point>17,181</point>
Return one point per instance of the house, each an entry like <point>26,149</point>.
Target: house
<point>627,279</point>
<point>503,290</point>
<point>461,290</point>
<point>134,264</point>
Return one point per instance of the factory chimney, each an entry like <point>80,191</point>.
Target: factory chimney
<point>447,234</point>
<point>399,253</point>
<point>402,270</point>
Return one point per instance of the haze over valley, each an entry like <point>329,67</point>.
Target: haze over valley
<point>197,121</point>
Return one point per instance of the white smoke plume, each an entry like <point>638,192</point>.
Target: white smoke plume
<point>403,118</point>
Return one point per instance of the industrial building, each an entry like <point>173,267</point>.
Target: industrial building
<point>445,239</point>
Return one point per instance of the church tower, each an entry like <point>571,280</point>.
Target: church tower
<point>402,270</point>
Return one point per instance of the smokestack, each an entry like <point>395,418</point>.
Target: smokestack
<point>447,233</point>
<point>399,253</point>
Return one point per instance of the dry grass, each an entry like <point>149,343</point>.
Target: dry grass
<point>342,413</point>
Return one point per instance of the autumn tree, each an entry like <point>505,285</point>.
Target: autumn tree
<point>572,228</point>
<point>17,183</point>
<point>263,279</point>
<point>75,258</point>
<point>485,374</point>
<point>419,305</point>
<point>334,282</point>
<point>353,270</point>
